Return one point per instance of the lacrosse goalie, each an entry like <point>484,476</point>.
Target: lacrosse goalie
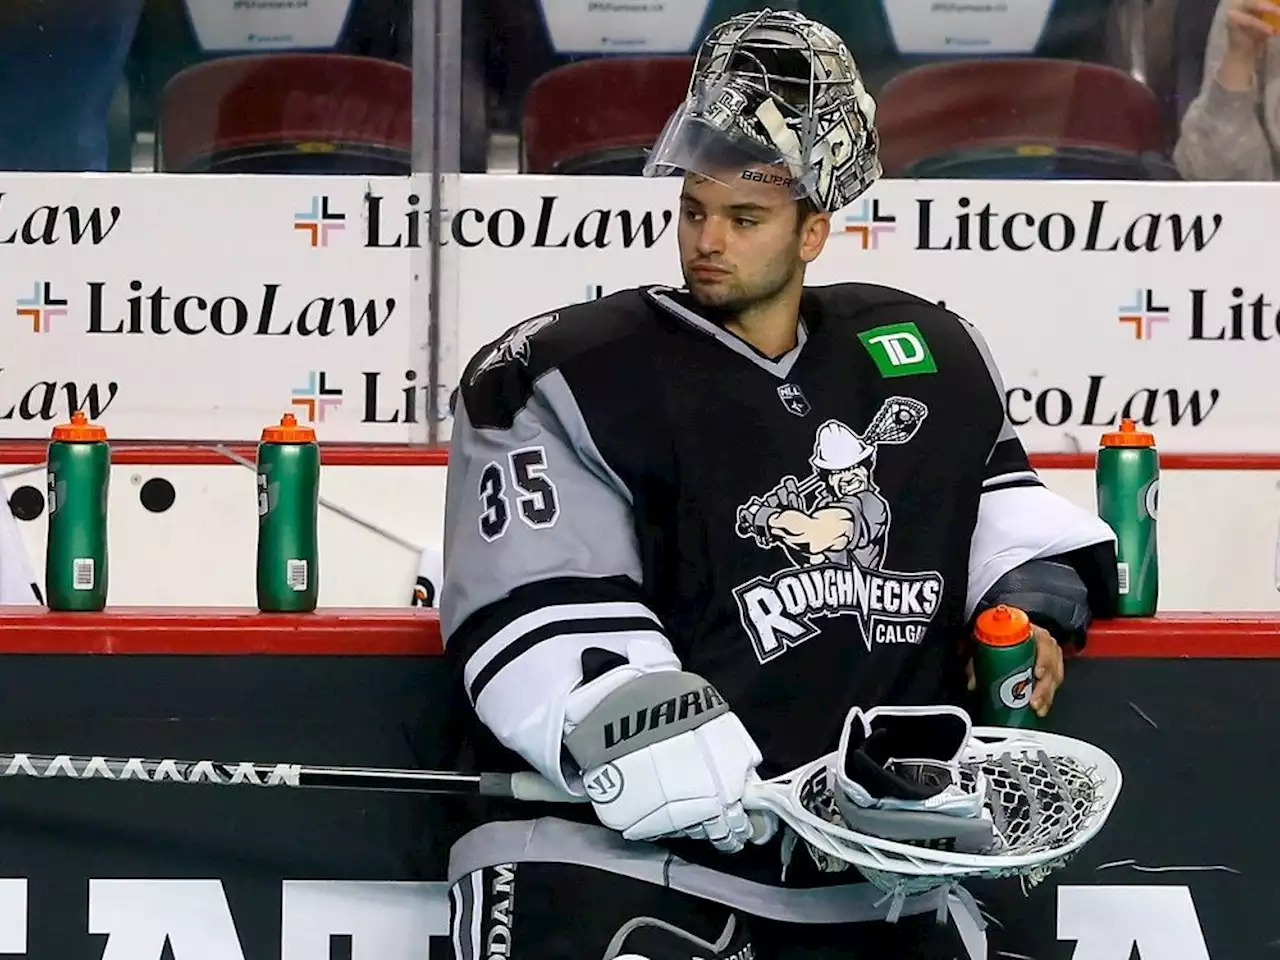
<point>696,537</point>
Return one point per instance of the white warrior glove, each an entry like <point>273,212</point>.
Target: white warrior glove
<point>663,756</point>
<point>898,776</point>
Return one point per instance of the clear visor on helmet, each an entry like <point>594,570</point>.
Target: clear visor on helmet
<point>728,132</point>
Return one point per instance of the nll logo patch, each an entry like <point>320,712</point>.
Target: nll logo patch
<point>833,527</point>
<point>793,399</point>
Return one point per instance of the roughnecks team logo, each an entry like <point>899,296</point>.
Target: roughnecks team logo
<point>833,527</point>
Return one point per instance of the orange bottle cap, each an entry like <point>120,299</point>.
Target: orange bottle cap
<point>79,430</point>
<point>1002,626</point>
<point>288,432</point>
<point>1128,436</point>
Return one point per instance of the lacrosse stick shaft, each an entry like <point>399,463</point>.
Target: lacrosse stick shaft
<point>525,786</point>
<point>519,786</point>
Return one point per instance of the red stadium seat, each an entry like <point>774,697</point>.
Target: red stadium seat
<point>600,116</point>
<point>288,113</point>
<point>1016,103</point>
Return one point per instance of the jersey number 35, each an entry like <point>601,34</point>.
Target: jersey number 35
<point>536,500</point>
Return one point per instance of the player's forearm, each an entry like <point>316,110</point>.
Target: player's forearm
<point>535,662</point>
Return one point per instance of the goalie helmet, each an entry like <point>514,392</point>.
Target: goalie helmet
<point>779,89</point>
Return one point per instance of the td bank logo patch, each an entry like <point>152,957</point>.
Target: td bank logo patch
<point>899,350</point>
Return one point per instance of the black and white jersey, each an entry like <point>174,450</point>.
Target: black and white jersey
<point>809,532</point>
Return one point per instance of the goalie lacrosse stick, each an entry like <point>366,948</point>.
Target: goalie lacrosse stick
<point>1047,795</point>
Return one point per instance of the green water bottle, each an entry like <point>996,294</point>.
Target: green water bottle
<point>1004,661</point>
<point>79,473</point>
<point>288,505</point>
<point>1128,484</point>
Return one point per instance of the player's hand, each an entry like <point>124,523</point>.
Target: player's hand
<point>1049,673</point>
<point>681,770</point>
<point>690,785</point>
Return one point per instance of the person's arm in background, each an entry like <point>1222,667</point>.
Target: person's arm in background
<point>1222,135</point>
<point>18,583</point>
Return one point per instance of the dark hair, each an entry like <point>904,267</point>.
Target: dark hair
<point>804,207</point>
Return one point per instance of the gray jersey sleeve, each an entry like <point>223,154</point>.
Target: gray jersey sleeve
<point>541,564</point>
<point>1019,518</point>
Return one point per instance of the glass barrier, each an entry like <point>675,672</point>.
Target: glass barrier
<point>214,86</point>
<point>1040,89</point>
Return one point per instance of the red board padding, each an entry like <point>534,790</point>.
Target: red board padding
<point>156,453</point>
<point>229,631</point>
<point>222,631</point>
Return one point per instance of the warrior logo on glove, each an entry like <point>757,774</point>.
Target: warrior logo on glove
<point>833,529</point>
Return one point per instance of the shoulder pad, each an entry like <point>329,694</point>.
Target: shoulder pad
<point>862,306</point>
<point>864,301</point>
<point>500,378</point>
<point>859,307</point>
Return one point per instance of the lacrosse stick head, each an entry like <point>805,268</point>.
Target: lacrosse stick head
<point>1047,795</point>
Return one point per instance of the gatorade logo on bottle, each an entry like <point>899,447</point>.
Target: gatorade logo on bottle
<point>1151,499</point>
<point>1015,689</point>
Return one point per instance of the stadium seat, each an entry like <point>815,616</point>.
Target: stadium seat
<point>520,49</point>
<point>288,113</point>
<point>600,116</point>
<point>168,43</point>
<point>1021,111</point>
<point>1074,30</point>
<point>1039,162</point>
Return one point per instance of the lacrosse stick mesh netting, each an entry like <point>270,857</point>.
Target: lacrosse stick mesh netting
<point>1038,803</point>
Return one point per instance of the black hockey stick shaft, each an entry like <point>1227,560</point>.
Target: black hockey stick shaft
<point>519,786</point>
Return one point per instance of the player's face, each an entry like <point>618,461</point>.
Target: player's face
<point>742,245</point>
